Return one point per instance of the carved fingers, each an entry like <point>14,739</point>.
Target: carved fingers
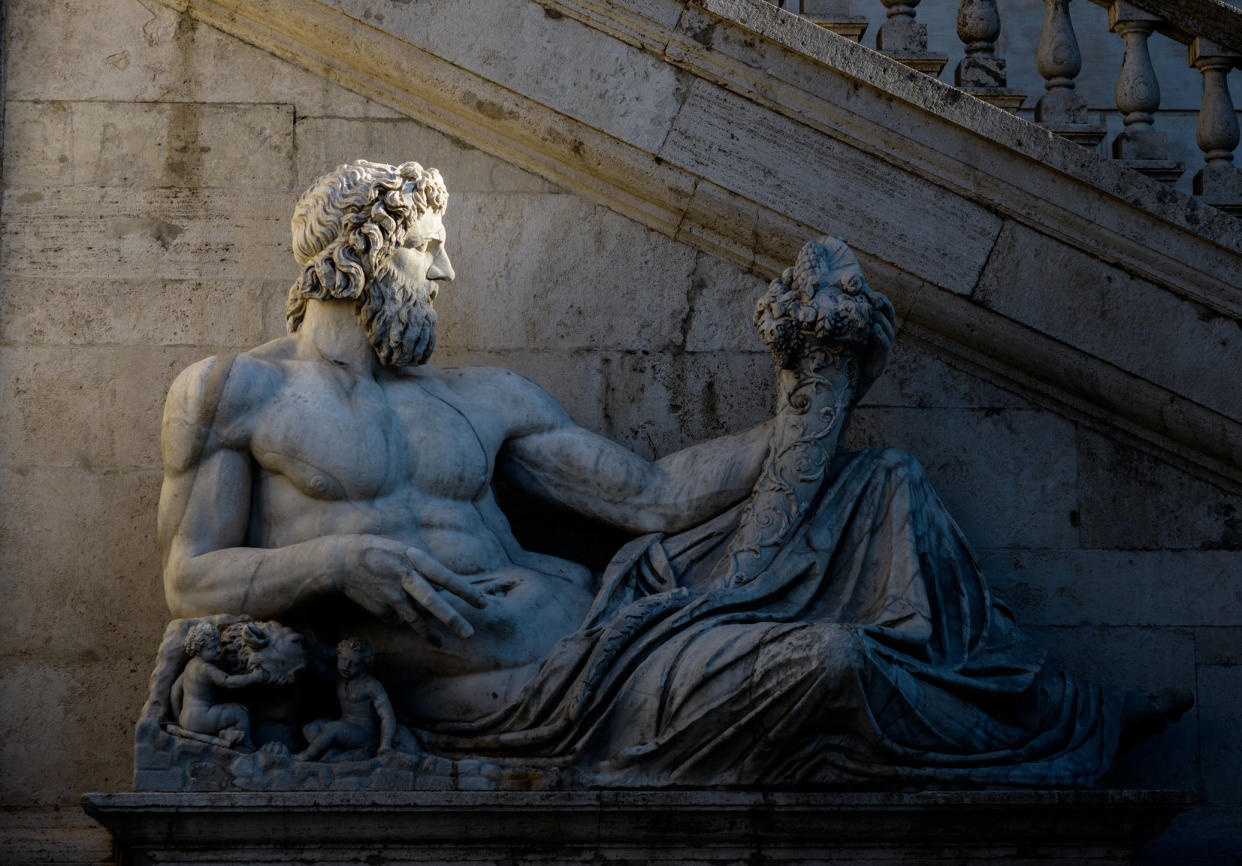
<point>436,572</point>
<point>399,583</point>
<point>426,596</point>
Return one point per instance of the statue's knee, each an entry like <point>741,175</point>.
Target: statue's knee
<point>839,648</point>
<point>821,651</point>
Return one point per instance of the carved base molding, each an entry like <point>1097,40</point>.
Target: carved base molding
<point>692,826</point>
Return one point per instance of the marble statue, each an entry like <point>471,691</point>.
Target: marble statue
<point>785,614</point>
<point>194,692</point>
<point>362,700</point>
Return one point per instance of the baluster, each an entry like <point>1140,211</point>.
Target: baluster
<point>1140,145</point>
<point>981,72</point>
<point>905,40</point>
<point>1062,109</point>
<point>1219,182</point>
<point>837,16</point>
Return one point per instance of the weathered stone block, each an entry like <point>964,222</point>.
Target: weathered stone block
<point>625,93</point>
<point>66,722</point>
<point>1220,185</point>
<point>172,234</point>
<point>918,377</point>
<point>183,144</point>
<point>1141,144</point>
<point>980,71</point>
<point>149,144</point>
<point>139,312</point>
<point>724,138</point>
<point>506,297</point>
<point>1163,506</point>
<point>1220,722</point>
<point>1159,588</point>
<point>1008,477</point>
<point>1207,835</point>
<point>38,144</point>
<point>657,403</point>
<point>1100,308</point>
<point>57,835</point>
<point>53,393</point>
<point>81,581</point>
<point>703,828</point>
<point>1218,645</point>
<point>721,306</point>
<point>326,142</point>
<point>146,52</point>
<point>716,220</point>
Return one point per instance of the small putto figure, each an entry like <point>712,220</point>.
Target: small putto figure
<point>195,690</point>
<point>362,699</point>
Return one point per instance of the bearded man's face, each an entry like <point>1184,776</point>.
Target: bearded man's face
<point>398,317</point>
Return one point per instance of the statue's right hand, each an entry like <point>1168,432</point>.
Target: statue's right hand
<point>388,578</point>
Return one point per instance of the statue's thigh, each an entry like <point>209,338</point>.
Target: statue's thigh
<point>740,668</point>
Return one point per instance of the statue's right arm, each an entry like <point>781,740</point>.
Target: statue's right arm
<point>204,516</point>
<point>204,508</point>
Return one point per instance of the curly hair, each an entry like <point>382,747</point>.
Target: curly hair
<point>198,636</point>
<point>358,646</point>
<point>347,224</point>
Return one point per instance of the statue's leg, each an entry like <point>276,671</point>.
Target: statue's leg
<point>736,703</point>
<point>235,717</point>
<point>324,739</point>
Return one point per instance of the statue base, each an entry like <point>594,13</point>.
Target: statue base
<point>688,827</point>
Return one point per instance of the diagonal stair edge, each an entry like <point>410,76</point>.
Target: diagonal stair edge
<point>745,64</point>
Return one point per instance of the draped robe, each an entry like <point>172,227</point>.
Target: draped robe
<point>868,651</point>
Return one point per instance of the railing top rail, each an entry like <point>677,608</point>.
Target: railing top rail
<point>1184,20</point>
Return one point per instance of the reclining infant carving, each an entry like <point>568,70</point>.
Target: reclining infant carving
<point>787,614</point>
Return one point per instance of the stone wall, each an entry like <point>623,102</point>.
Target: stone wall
<point>149,169</point>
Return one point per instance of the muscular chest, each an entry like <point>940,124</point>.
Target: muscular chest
<point>336,439</point>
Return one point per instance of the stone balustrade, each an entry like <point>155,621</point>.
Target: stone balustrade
<point>1211,30</point>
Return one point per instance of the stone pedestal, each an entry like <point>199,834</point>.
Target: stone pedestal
<point>1221,187</point>
<point>686,827</point>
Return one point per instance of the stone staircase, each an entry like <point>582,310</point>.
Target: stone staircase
<point>1211,30</point>
<point>742,129</point>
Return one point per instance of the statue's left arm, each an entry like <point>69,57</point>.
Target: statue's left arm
<point>557,460</point>
<point>830,335</point>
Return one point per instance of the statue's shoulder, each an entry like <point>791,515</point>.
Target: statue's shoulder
<point>525,405</point>
<point>212,398</point>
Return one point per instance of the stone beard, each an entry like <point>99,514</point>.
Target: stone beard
<point>398,317</point>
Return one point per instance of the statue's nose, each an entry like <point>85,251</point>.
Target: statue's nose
<point>441,268</point>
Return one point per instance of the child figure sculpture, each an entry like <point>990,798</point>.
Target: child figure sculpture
<point>362,699</point>
<point>199,716</point>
